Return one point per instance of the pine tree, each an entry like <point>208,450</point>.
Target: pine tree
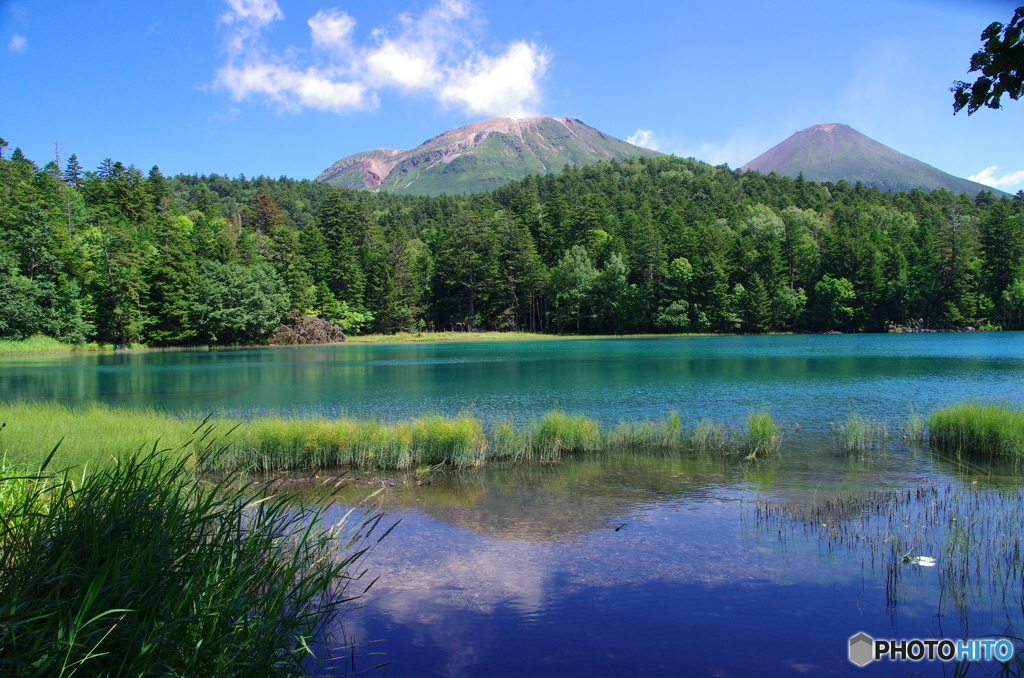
<point>73,172</point>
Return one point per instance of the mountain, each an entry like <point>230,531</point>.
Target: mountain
<point>480,157</point>
<point>833,152</point>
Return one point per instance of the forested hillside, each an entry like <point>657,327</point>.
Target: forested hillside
<point>666,244</point>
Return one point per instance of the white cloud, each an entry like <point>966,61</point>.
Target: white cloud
<point>332,30</point>
<point>394,64</point>
<point>506,85</point>
<point>988,177</point>
<point>257,12</point>
<point>18,44</point>
<point>436,52</point>
<point>644,138</point>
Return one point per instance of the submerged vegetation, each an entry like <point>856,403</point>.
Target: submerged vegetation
<point>138,569</point>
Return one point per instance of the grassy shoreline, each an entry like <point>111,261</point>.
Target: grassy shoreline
<point>96,434</point>
<point>42,345</point>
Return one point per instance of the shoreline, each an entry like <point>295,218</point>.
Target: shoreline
<point>25,348</point>
<point>364,339</point>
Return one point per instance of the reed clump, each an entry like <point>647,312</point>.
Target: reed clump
<point>139,569</point>
<point>278,444</point>
<point>667,433</point>
<point>916,427</point>
<point>708,436</point>
<point>763,435</point>
<point>558,433</point>
<point>978,428</point>
<point>857,434</point>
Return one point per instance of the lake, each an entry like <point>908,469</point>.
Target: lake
<point>640,562</point>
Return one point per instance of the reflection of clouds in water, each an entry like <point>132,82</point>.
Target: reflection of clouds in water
<point>431,574</point>
<point>459,597</point>
<point>430,568</point>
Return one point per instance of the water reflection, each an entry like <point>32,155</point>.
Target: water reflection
<point>521,570</point>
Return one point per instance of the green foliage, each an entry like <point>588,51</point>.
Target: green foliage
<point>234,303</point>
<point>1001,62</point>
<point>648,244</point>
<point>138,569</point>
<point>832,308</point>
<point>570,284</point>
<point>1013,305</point>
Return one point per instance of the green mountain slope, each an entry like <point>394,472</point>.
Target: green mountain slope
<point>835,152</point>
<point>480,157</point>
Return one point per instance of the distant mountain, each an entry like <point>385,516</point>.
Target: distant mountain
<point>480,157</point>
<point>834,152</point>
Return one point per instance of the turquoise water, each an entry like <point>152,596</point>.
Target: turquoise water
<point>807,379</point>
<point>640,563</point>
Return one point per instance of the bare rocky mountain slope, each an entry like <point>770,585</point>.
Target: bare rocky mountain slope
<point>480,156</point>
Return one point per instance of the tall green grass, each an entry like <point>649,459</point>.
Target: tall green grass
<point>708,436</point>
<point>857,434</point>
<point>89,434</point>
<point>558,433</point>
<point>665,433</point>
<point>139,569</point>
<point>39,343</point>
<point>99,434</point>
<point>763,435</point>
<point>978,428</point>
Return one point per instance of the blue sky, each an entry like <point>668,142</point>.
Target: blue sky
<point>286,87</point>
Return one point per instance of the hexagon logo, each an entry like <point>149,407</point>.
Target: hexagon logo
<point>862,649</point>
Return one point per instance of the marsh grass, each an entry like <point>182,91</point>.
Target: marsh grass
<point>559,433</point>
<point>971,535</point>
<point>763,435</point>
<point>508,442</point>
<point>708,436</point>
<point>857,435</point>
<point>978,428</point>
<point>88,434</point>
<point>667,433</point>
<point>98,434</point>
<point>278,444</point>
<point>139,569</point>
<point>916,427</point>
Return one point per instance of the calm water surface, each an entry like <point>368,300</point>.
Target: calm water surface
<point>805,378</point>
<point>640,563</point>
